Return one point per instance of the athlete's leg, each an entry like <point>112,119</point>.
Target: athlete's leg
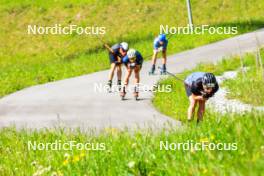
<point>137,79</point>
<point>119,72</point>
<point>201,110</point>
<point>164,57</point>
<point>154,59</point>
<point>192,107</point>
<point>164,60</point>
<point>111,74</point>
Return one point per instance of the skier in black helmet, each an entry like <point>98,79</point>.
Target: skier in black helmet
<point>199,88</point>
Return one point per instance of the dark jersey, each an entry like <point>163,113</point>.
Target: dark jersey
<point>194,82</point>
<point>139,59</point>
<point>113,56</point>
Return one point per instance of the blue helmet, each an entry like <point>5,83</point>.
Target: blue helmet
<point>162,37</point>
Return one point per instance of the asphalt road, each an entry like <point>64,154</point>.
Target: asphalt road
<point>75,103</point>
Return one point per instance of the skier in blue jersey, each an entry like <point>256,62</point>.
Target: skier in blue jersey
<point>160,45</point>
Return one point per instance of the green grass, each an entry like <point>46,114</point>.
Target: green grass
<point>140,154</point>
<point>27,60</point>
<point>247,87</point>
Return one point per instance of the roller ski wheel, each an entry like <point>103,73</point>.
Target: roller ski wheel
<point>152,70</point>
<point>136,98</point>
<point>136,89</point>
<point>151,73</point>
<point>119,84</point>
<point>123,94</point>
<point>109,87</point>
<point>163,73</point>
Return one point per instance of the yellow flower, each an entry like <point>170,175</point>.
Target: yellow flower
<point>65,162</point>
<point>204,140</point>
<point>82,154</point>
<point>111,130</point>
<point>212,137</point>
<point>76,159</point>
<point>204,171</point>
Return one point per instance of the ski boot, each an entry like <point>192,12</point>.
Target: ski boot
<point>136,90</point>
<point>163,70</point>
<point>152,71</point>
<point>119,85</point>
<point>109,86</point>
<point>123,93</point>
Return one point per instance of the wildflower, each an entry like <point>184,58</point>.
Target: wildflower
<point>131,164</point>
<point>204,140</point>
<point>67,156</point>
<point>54,174</point>
<point>204,171</point>
<point>212,137</point>
<point>76,159</point>
<point>82,154</point>
<point>111,130</point>
<point>34,163</point>
<point>65,162</point>
<point>134,145</point>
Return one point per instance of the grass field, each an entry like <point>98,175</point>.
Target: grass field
<point>140,153</point>
<point>27,60</point>
<point>248,87</point>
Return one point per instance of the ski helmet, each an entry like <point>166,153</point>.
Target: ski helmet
<point>162,37</point>
<point>131,54</point>
<point>209,80</point>
<point>124,46</point>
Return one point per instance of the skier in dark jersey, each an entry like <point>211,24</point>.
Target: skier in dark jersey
<point>199,87</point>
<point>133,62</point>
<point>115,57</point>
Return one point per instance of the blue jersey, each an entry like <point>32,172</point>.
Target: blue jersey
<point>139,59</point>
<point>157,44</point>
<point>194,77</point>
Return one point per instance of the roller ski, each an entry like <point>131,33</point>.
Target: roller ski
<point>123,93</point>
<point>119,85</point>
<point>109,86</point>
<point>163,70</point>
<point>152,71</point>
<point>136,90</point>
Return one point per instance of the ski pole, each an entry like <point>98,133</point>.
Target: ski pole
<point>171,74</point>
<point>108,48</point>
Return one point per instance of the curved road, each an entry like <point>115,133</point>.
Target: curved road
<point>75,103</point>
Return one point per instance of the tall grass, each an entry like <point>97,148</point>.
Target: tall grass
<point>140,153</point>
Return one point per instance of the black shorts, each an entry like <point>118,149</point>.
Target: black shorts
<point>112,58</point>
<point>187,90</point>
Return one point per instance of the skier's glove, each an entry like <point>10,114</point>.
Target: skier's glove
<point>132,65</point>
<point>160,49</point>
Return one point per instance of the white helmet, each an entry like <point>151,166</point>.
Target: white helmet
<point>131,53</point>
<point>124,46</point>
